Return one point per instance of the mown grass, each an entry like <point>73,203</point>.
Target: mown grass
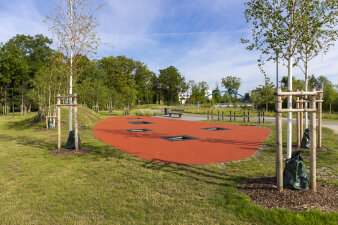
<point>108,186</point>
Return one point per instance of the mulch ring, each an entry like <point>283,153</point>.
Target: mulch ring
<point>263,192</point>
<point>64,152</point>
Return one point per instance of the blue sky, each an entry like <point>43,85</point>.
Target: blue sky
<point>199,37</point>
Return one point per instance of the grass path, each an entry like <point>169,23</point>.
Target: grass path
<point>108,186</point>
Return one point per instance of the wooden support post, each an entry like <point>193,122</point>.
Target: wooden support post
<point>208,114</point>
<point>263,117</point>
<point>244,116</point>
<point>230,116</point>
<point>235,116</point>
<point>75,123</point>
<point>259,117</point>
<point>248,116</point>
<point>59,121</point>
<point>212,114</point>
<point>298,122</point>
<point>218,115</point>
<point>319,110</point>
<point>301,121</point>
<point>279,144</point>
<point>313,147</point>
<point>222,115</point>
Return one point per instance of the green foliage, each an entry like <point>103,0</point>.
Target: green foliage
<point>217,98</point>
<point>171,84</point>
<point>231,83</point>
<point>267,92</point>
<point>198,92</point>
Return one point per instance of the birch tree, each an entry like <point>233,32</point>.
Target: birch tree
<point>74,25</point>
<point>320,34</point>
<point>278,27</point>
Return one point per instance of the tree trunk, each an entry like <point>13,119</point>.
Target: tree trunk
<point>306,88</point>
<point>266,107</point>
<point>21,110</point>
<point>5,102</point>
<point>71,66</point>
<point>289,121</point>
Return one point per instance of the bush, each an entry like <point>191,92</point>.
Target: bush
<point>148,112</point>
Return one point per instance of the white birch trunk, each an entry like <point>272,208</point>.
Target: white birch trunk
<point>306,88</point>
<point>71,65</point>
<point>289,121</point>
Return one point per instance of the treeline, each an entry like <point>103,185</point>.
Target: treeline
<point>263,96</point>
<point>36,73</point>
<point>32,74</point>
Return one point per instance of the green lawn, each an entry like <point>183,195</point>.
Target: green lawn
<point>108,186</point>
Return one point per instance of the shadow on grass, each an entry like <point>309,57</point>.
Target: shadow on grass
<point>196,172</point>
<point>26,123</point>
<point>28,141</point>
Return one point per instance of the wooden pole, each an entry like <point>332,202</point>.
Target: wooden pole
<point>298,122</point>
<point>279,144</point>
<point>301,121</point>
<point>222,115</point>
<point>75,123</point>
<point>259,117</point>
<point>313,183</point>
<point>59,121</point>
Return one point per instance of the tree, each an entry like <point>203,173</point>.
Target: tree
<point>217,97</point>
<point>266,93</point>
<point>319,35</point>
<point>120,72</point>
<point>329,92</point>
<point>172,83</point>
<point>198,92</point>
<point>74,25</point>
<point>231,83</point>
<point>13,68</point>
<point>278,28</point>
<point>49,80</point>
<point>35,52</point>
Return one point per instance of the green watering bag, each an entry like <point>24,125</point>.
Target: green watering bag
<point>71,140</point>
<point>294,176</point>
<point>306,139</point>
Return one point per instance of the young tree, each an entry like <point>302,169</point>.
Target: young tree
<point>74,25</point>
<point>278,28</point>
<point>319,35</point>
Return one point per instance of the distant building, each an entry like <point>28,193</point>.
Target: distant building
<point>208,92</point>
<point>183,97</point>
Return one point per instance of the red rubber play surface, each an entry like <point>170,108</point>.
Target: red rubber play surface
<point>238,142</point>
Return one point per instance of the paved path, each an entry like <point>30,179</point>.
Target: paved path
<point>194,117</point>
